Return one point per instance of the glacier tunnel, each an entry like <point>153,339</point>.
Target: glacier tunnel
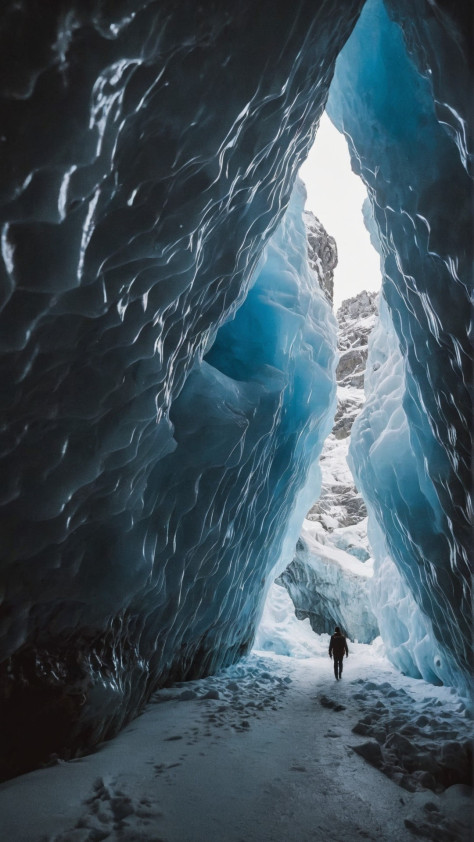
<point>168,365</point>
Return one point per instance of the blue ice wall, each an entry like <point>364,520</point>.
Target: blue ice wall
<point>148,152</point>
<point>381,457</point>
<point>249,425</point>
<point>392,86</point>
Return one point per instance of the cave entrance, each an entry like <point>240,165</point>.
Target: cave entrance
<point>327,583</point>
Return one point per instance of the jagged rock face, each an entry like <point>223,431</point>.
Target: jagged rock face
<point>339,504</point>
<point>322,253</point>
<point>412,452</point>
<point>356,319</point>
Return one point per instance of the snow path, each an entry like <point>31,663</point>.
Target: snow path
<point>262,759</point>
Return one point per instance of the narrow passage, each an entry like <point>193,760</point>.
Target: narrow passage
<point>264,752</point>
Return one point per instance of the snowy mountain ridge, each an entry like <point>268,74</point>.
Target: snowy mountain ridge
<point>322,253</point>
<point>340,504</point>
<point>329,577</point>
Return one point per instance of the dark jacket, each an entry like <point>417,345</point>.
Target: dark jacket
<point>338,645</point>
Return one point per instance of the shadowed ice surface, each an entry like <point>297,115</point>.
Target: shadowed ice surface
<point>411,447</point>
<point>164,388</point>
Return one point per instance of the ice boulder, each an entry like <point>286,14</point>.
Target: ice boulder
<point>330,587</point>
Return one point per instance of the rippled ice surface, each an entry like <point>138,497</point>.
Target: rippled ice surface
<point>411,447</point>
<point>149,151</point>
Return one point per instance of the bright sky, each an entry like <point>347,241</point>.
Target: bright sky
<point>335,195</point>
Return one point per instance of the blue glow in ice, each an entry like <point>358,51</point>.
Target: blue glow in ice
<point>411,448</point>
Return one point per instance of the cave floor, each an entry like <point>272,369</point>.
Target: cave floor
<point>263,752</point>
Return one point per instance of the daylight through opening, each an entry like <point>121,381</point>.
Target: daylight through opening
<point>327,582</point>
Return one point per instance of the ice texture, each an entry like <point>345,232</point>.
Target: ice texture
<point>280,631</point>
<point>249,424</point>
<point>330,586</point>
<point>411,449</point>
<point>380,431</point>
<point>149,150</point>
<point>329,579</point>
<point>224,507</point>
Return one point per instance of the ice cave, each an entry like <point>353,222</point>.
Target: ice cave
<point>174,395</point>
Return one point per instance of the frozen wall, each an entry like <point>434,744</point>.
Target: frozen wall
<point>249,424</point>
<point>149,150</point>
<point>330,586</point>
<point>381,456</point>
<point>411,448</point>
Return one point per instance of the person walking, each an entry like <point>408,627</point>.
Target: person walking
<point>337,647</point>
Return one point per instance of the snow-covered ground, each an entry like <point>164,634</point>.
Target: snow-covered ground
<point>270,750</point>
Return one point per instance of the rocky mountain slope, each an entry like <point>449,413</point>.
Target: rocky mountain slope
<point>322,253</point>
<point>328,580</point>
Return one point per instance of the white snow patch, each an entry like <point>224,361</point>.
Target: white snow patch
<point>281,632</point>
<point>263,752</point>
<point>312,532</point>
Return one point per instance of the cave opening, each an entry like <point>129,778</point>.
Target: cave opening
<point>333,549</point>
<point>168,382</point>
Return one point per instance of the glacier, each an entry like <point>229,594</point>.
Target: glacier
<point>223,507</point>
<point>411,447</point>
<point>149,152</point>
<point>380,430</point>
<point>249,424</point>
<point>167,368</point>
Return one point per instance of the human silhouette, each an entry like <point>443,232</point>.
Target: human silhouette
<point>337,647</point>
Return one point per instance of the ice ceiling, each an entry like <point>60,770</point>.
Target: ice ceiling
<point>167,370</point>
